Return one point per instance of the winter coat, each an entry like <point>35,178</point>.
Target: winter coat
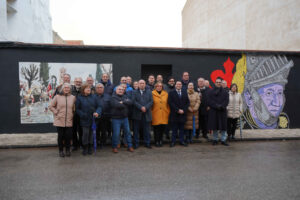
<point>139,101</point>
<point>104,101</point>
<point>176,103</point>
<point>85,107</point>
<point>192,110</point>
<point>160,108</point>
<point>120,110</point>
<point>203,98</point>
<point>235,105</point>
<point>169,88</point>
<point>63,107</point>
<point>108,87</point>
<point>217,99</point>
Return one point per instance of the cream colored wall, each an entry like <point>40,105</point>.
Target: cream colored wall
<point>241,24</point>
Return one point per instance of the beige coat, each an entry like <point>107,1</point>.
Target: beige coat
<point>192,110</point>
<point>63,109</point>
<point>234,108</point>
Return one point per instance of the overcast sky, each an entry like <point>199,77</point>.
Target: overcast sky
<point>119,22</point>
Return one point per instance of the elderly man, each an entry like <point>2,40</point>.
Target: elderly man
<point>203,110</point>
<point>179,103</point>
<point>206,83</point>
<point>90,82</point>
<point>224,85</point>
<point>123,80</point>
<point>119,115</point>
<point>129,80</point>
<point>103,123</point>
<point>108,86</point>
<point>218,100</point>
<point>77,129</point>
<point>66,79</point>
<point>142,103</point>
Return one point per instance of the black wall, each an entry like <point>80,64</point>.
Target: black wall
<point>126,61</point>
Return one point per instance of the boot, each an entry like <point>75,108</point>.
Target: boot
<point>84,150</point>
<point>90,149</point>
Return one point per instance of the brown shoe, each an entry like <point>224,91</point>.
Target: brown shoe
<point>125,145</point>
<point>118,146</point>
<point>115,150</point>
<point>130,149</point>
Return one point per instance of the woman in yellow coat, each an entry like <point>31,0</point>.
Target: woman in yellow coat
<point>160,112</point>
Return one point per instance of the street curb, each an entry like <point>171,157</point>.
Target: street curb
<point>195,141</point>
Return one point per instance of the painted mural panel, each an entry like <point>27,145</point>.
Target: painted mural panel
<point>261,80</point>
<point>38,82</point>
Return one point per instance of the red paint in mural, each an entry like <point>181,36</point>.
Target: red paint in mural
<point>227,76</point>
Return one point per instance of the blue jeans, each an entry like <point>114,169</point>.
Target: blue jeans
<point>146,131</point>
<point>223,135</point>
<point>175,127</point>
<point>117,124</point>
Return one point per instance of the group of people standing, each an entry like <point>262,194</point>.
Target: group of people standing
<point>180,106</point>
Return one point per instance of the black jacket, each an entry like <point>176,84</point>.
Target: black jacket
<point>120,110</point>
<point>203,98</point>
<point>177,103</point>
<point>104,101</point>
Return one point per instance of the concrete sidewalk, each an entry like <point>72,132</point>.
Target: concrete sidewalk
<point>50,139</point>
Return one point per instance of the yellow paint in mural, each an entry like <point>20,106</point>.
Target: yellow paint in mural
<point>241,70</point>
<point>283,122</point>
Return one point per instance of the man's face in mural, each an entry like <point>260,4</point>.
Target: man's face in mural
<point>273,97</point>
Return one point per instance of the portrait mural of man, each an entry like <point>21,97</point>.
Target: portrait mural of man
<point>261,80</point>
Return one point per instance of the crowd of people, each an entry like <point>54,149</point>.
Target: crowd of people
<point>186,109</point>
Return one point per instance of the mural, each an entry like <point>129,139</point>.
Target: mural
<point>261,80</point>
<point>38,82</point>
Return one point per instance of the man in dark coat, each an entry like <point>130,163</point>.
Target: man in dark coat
<point>103,123</point>
<point>108,86</point>
<point>218,100</point>
<point>141,114</point>
<point>203,111</point>
<point>151,82</point>
<point>179,103</point>
<point>185,80</point>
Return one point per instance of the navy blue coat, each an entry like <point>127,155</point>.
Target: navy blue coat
<point>176,103</point>
<point>217,100</point>
<point>108,87</point>
<point>104,101</point>
<point>85,107</point>
<point>139,101</point>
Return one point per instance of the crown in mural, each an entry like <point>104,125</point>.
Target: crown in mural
<point>263,70</point>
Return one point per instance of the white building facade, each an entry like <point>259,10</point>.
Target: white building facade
<point>242,24</point>
<point>25,21</point>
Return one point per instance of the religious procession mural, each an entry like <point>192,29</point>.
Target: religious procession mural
<point>38,82</point>
<point>261,80</point>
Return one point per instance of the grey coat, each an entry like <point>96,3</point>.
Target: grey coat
<point>139,101</point>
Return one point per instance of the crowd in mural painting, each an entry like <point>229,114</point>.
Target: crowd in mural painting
<point>88,115</point>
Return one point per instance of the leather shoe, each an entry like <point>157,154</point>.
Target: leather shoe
<point>214,142</point>
<point>61,154</point>
<point>130,149</point>
<point>115,150</point>
<point>224,143</point>
<point>183,144</point>
<point>148,146</point>
<point>172,144</point>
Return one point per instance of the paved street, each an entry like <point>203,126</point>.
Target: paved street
<point>245,170</point>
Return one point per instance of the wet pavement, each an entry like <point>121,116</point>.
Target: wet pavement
<point>245,170</point>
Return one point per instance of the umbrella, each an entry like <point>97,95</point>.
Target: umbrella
<point>94,127</point>
<point>194,126</point>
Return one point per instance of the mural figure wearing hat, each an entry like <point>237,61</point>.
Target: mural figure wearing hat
<point>263,79</point>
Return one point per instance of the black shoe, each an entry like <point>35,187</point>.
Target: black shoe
<point>148,146</point>
<point>168,137</point>
<point>160,144</point>
<point>74,148</point>
<point>214,142</point>
<point>233,138</point>
<point>224,143</point>
<point>61,154</point>
<point>135,146</point>
<point>84,151</point>
<point>157,144</point>
<point>172,144</point>
<point>183,144</point>
<point>205,136</point>
<point>68,153</point>
<point>90,150</point>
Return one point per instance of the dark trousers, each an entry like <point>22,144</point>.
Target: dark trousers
<point>231,126</point>
<point>177,126</point>
<point>76,132</point>
<point>64,137</point>
<point>103,128</point>
<point>146,130</point>
<point>202,125</point>
<point>159,132</point>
